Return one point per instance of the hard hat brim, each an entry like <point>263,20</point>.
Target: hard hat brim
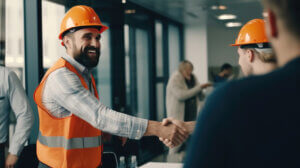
<point>101,30</point>
<point>233,45</point>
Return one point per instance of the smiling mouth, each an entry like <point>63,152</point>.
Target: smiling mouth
<point>92,51</point>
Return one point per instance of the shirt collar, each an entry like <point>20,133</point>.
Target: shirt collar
<point>79,67</point>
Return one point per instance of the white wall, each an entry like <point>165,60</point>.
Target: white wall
<point>196,48</point>
<point>219,39</point>
<point>207,45</point>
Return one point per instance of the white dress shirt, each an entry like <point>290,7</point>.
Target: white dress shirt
<point>12,96</point>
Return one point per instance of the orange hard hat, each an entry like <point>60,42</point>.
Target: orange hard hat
<point>252,32</point>
<point>80,16</point>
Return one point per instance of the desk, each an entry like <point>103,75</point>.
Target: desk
<point>161,165</point>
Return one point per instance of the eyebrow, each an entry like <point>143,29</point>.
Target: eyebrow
<point>91,34</point>
<point>87,34</point>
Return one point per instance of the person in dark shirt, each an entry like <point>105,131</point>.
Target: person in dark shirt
<point>256,57</point>
<point>225,73</point>
<point>255,121</point>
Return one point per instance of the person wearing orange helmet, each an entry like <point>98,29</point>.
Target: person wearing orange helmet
<point>256,57</point>
<point>255,53</point>
<point>70,114</point>
<point>254,121</point>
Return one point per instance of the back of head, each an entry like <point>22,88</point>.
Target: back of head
<point>253,36</point>
<point>266,55</point>
<point>288,11</point>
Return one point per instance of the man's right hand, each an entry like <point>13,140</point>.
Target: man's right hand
<point>170,131</point>
<point>188,126</point>
<point>174,134</point>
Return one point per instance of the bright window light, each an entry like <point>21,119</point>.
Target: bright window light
<point>227,17</point>
<point>233,24</point>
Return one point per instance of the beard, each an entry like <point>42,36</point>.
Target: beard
<point>88,56</point>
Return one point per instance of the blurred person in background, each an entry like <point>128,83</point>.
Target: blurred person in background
<point>225,73</point>
<point>182,100</point>
<point>13,97</point>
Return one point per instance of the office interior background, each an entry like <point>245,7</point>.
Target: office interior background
<point>144,45</point>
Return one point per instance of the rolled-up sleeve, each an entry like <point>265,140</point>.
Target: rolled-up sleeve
<point>24,115</point>
<point>67,91</point>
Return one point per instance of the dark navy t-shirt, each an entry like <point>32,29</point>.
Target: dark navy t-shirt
<point>250,123</point>
<point>218,79</point>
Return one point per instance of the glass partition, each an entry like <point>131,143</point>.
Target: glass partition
<point>142,64</point>
<point>174,48</point>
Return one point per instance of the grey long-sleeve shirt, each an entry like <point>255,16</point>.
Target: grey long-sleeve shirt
<point>64,95</point>
<point>12,96</point>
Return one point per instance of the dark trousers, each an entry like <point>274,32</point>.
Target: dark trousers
<point>2,155</point>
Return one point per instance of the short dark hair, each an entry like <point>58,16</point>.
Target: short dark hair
<point>78,28</point>
<point>288,11</point>
<point>226,66</point>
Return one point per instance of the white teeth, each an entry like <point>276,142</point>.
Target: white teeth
<point>92,51</point>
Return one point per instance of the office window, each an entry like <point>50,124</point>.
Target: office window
<point>127,67</point>
<point>12,43</point>
<point>14,36</point>
<point>52,14</point>
<point>142,63</point>
<point>159,49</point>
<point>174,48</point>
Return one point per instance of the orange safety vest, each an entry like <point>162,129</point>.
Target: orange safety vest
<point>70,141</point>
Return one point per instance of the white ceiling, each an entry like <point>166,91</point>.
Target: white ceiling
<point>190,11</point>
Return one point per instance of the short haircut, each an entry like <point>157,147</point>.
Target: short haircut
<point>266,55</point>
<point>183,64</point>
<point>70,35</point>
<point>288,11</point>
<point>226,66</point>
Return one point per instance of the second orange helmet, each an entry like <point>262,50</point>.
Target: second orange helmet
<point>252,32</point>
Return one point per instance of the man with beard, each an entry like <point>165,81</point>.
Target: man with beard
<point>71,116</point>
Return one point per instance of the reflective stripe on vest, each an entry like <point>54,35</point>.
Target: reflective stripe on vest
<point>73,143</point>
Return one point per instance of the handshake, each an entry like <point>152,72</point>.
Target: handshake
<point>175,132</point>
